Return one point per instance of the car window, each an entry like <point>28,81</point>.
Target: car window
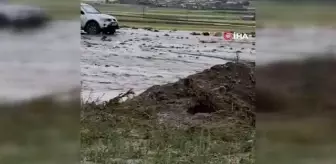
<point>90,10</point>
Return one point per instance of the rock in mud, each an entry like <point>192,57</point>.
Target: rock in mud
<point>104,38</point>
<point>222,91</point>
<point>218,34</point>
<point>148,28</point>
<point>146,39</point>
<point>195,33</point>
<point>124,26</point>
<point>208,41</point>
<point>206,33</point>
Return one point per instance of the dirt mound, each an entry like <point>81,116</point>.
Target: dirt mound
<point>221,91</point>
<point>224,93</point>
<point>300,87</point>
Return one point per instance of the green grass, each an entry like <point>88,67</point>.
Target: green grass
<point>181,22</point>
<point>109,134</point>
<point>45,131</point>
<point>137,8</point>
<point>187,19</point>
<point>180,19</point>
<point>60,9</point>
<point>164,26</point>
<point>40,131</point>
<point>170,16</point>
<point>292,14</point>
<point>161,18</point>
<point>296,140</point>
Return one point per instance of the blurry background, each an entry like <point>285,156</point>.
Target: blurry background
<point>32,61</point>
<point>39,77</point>
<point>295,82</point>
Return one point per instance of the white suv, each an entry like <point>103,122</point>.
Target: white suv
<point>94,22</point>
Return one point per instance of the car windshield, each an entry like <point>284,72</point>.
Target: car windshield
<point>90,10</point>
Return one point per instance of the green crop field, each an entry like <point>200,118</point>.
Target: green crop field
<point>295,14</point>
<point>60,9</point>
<point>295,141</point>
<point>161,18</point>
<point>181,19</point>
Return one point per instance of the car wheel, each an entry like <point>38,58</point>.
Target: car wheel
<point>92,28</point>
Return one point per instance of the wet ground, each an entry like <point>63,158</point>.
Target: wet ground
<point>39,62</point>
<point>138,59</point>
<point>282,44</point>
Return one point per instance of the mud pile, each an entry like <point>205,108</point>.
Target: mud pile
<point>219,92</point>
<point>297,87</point>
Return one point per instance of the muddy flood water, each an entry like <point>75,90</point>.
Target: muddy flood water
<point>294,44</point>
<point>138,59</point>
<point>45,61</point>
<point>39,62</point>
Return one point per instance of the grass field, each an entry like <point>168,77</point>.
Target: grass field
<point>40,131</point>
<point>161,18</point>
<point>43,131</point>
<point>181,19</point>
<point>60,9</point>
<point>109,134</point>
<point>295,14</point>
<point>305,140</point>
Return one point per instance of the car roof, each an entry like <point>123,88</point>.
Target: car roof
<point>84,4</point>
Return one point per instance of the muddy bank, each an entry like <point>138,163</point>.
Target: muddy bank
<point>220,92</point>
<point>297,87</point>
